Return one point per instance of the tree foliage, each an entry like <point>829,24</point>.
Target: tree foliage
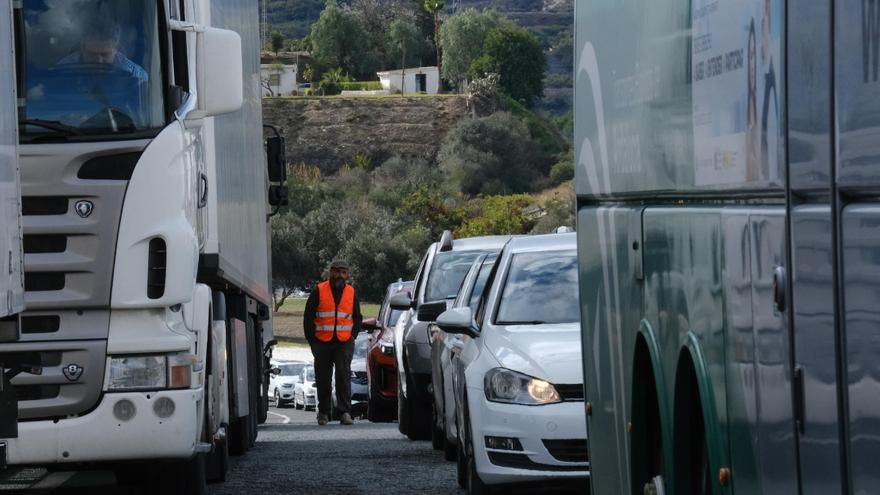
<point>339,40</point>
<point>490,155</point>
<point>462,37</point>
<point>516,56</point>
<point>276,41</point>
<point>404,44</point>
<point>498,215</point>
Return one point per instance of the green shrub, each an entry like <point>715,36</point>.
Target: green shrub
<point>360,86</point>
<point>563,170</point>
<point>499,215</point>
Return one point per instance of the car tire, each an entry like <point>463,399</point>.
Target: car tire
<point>461,463</point>
<point>218,462</point>
<point>418,427</point>
<point>437,434</point>
<point>475,485</point>
<point>277,399</point>
<point>402,411</point>
<point>450,449</point>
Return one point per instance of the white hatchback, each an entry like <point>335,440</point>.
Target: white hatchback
<point>517,375</point>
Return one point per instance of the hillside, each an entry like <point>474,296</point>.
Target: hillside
<point>328,132</point>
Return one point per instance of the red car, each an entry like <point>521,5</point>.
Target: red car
<point>381,365</point>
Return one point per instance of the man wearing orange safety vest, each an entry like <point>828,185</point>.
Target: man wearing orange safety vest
<point>331,322</point>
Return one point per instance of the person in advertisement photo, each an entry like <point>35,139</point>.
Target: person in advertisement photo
<point>735,97</point>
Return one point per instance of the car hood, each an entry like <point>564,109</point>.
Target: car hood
<point>549,352</point>
<point>280,380</point>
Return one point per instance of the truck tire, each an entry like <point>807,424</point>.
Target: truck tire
<point>239,435</point>
<point>218,461</point>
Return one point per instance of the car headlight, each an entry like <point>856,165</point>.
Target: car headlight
<point>503,385</point>
<point>151,372</point>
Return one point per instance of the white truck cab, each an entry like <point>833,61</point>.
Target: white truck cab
<point>145,205</point>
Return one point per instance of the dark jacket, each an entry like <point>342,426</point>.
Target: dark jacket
<point>311,309</point>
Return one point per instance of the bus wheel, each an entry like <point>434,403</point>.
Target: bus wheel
<point>646,437</point>
<point>692,472</point>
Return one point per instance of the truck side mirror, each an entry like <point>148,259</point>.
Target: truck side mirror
<point>278,196</point>
<point>277,161</point>
<point>219,71</point>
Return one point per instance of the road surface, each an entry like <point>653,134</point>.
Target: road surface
<point>293,455</point>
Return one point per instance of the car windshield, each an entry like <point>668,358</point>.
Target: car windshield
<point>360,345</point>
<point>310,374</point>
<point>480,283</point>
<point>394,317</point>
<point>541,287</point>
<point>447,273</point>
<point>92,67</point>
<point>291,369</point>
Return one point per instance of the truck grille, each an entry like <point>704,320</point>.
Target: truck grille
<point>52,394</point>
<point>72,199</point>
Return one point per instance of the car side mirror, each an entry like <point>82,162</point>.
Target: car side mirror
<point>369,324</point>
<point>429,311</point>
<point>275,371</point>
<point>458,321</point>
<point>401,301</point>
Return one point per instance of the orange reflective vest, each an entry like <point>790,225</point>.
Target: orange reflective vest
<point>331,318</point>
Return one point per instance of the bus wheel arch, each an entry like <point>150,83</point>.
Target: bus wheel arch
<point>699,455</point>
<point>651,429</point>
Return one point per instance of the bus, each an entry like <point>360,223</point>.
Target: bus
<point>728,170</point>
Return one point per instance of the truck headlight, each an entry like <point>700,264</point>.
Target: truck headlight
<point>503,385</point>
<point>151,372</point>
<point>138,372</point>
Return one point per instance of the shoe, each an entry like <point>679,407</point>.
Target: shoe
<point>322,419</point>
<point>346,419</point>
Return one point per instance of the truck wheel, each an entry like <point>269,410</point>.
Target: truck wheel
<point>218,461</point>
<point>239,436</point>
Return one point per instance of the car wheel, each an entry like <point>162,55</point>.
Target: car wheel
<point>475,485</point>
<point>418,426</point>
<point>450,449</point>
<point>437,434</point>
<point>277,398</point>
<point>461,464</point>
<point>402,411</point>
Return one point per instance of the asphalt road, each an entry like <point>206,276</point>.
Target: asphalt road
<point>294,455</point>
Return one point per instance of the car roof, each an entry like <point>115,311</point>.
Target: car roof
<point>546,242</point>
<point>480,243</point>
<point>395,287</point>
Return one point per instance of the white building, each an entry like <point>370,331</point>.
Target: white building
<point>278,79</point>
<point>409,81</point>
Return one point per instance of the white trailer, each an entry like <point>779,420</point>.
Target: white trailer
<point>11,280</point>
<point>145,199</point>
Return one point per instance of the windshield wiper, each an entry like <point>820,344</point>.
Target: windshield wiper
<point>524,322</point>
<point>53,125</point>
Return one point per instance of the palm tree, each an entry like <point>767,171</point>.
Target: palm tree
<point>434,7</point>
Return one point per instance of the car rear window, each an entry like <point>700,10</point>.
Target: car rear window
<point>447,273</point>
<point>541,287</point>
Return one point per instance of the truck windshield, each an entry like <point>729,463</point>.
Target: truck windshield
<point>541,288</point>
<point>92,68</point>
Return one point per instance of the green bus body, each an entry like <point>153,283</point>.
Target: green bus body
<point>728,176</point>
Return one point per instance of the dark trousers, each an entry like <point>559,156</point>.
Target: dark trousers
<point>328,356</point>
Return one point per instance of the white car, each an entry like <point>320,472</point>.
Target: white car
<point>283,379</point>
<point>517,375</point>
<point>305,394</point>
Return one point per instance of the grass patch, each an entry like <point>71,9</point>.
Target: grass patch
<point>298,306</point>
<point>282,343</point>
